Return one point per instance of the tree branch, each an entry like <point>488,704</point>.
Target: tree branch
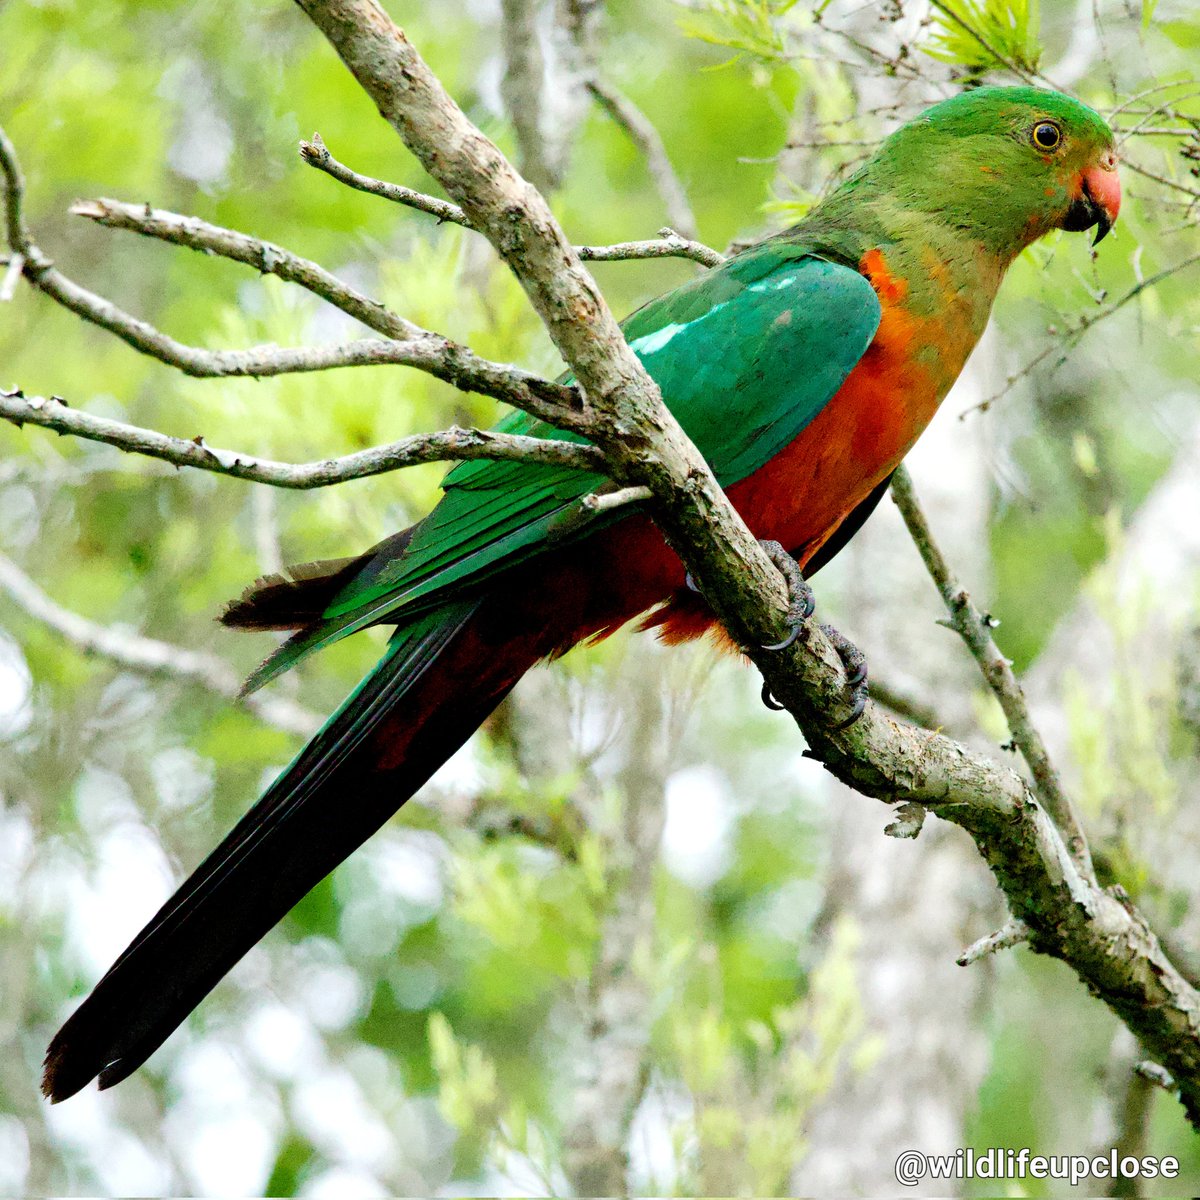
<point>522,90</point>
<point>649,141</point>
<point>975,628</point>
<point>669,244</point>
<point>448,444</point>
<point>409,345</point>
<point>148,656</point>
<point>1105,941</point>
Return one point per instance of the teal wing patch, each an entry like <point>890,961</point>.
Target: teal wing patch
<point>745,355</point>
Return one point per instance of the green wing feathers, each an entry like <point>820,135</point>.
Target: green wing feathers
<point>746,355</point>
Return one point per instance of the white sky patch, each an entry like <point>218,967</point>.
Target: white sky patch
<point>282,1042</point>
<point>16,688</point>
<point>654,1148</point>
<point>461,774</point>
<point>225,1128</point>
<point>131,880</point>
<point>331,994</point>
<point>411,866</point>
<point>340,1182</point>
<point>700,817</point>
<point>122,1164</point>
<point>14,1157</point>
<point>331,1111</point>
<point>182,778</point>
<point>16,852</point>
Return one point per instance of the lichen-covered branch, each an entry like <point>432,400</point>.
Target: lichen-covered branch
<point>975,628</point>
<point>148,656</point>
<point>669,244</point>
<point>50,412</point>
<point>1098,934</point>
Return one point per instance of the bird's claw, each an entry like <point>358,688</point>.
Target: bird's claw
<point>801,601</point>
<point>855,663</point>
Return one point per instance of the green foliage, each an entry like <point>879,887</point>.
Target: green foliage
<point>980,35</point>
<point>754,28</point>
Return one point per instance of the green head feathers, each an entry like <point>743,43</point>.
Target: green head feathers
<point>1001,165</point>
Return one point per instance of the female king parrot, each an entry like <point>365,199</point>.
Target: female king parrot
<point>804,369</point>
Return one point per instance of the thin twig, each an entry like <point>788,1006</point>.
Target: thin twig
<point>975,629</point>
<point>148,656</point>
<point>607,501</point>
<point>1076,332</point>
<point>669,243</point>
<point>1012,934</point>
<point>448,444</point>
<point>316,154</point>
<point>262,256</point>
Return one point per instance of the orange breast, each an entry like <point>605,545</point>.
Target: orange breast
<point>801,496</point>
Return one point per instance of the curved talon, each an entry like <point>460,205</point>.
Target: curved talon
<point>770,700</point>
<point>801,601</point>
<point>793,634</point>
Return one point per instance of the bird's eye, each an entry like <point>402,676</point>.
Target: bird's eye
<point>1046,135</point>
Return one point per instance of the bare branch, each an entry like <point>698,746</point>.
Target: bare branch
<point>449,444</point>
<point>607,501</point>
<point>975,629</point>
<point>1078,329</point>
<point>316,154</point>
<point>148,656</point>
<point>263,256</point>
<point>581,26</point>
<point>523,91</point>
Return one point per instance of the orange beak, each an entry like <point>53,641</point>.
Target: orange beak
<point>1099,198</point>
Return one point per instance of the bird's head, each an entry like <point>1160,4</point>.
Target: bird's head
<point>1006,165</point>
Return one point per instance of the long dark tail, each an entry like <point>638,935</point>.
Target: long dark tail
<point>431,690</point>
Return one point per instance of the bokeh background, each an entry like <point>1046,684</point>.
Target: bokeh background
<point>629,934</point>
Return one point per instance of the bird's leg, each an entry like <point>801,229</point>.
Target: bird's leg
<point>801,601</point>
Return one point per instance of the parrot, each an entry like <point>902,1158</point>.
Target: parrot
<point>804,368</point>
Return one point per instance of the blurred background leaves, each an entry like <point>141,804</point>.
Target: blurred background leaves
<point>632,865</point>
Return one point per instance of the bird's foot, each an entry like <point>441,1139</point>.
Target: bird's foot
<point>801,601</point>
<point>855,663</point>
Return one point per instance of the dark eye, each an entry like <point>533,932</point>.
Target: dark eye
<point>1046,135</point>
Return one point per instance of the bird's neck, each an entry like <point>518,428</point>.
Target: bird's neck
<point>930,267</point>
